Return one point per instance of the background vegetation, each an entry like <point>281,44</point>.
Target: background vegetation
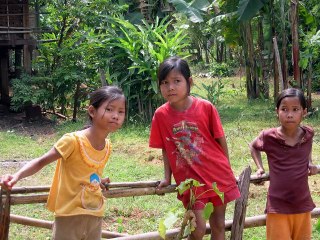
<point>86,44</point>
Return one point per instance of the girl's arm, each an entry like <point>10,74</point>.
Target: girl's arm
<point>167,171</point>
<point>223,143</point>
<point>30,168</point>
<point>313,169</point>
<point>256,156</point>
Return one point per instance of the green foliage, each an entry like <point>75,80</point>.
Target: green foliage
<point>29,90</point>
<point>187,185</point>
<point>166,223</point>
<point>318,225</point>
<point>220,70</point>
<point>213,91</point>
<point>188,224</point>
<point>249,8</point>
<point>192,9</point>
<point>120,225</point>
<point>140,49</point>
<point>208,210</point>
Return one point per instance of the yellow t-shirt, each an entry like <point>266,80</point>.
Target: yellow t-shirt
<point>76,188</point>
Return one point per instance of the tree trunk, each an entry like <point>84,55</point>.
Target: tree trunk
<point>295,42</point>
<point>284,62</point>
<point>264,85</point>
<point>309,99</point>
<point>278,63</point>
<point>275,66</point>
<point>103,77</point>
<point>251,71</point>
<point>76,102</point>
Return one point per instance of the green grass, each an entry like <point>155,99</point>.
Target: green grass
<point>133,160</point>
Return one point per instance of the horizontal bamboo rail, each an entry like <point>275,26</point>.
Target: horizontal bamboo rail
<point>141,184</point>
<point>48,225</point>
<point>250,222</point>
<point>116,190</point>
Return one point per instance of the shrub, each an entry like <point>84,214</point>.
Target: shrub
<point>29,90</point>
<point>220,70</point>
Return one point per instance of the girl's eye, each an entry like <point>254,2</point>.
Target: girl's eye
<point>163,83</point>
<point>177,81</point>
<point>108,109</point>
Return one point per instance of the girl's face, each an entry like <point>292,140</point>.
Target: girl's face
<point>110,115</point>
<point>175,89</point>
<point>290,112</point>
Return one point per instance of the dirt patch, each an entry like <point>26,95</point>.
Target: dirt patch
<point>16,122</point>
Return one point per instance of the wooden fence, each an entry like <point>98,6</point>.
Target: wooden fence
<point>39,194</point>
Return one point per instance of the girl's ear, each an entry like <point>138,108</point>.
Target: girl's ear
<point>305,112</point>
<point>190,81</point>
<point>91,111</point>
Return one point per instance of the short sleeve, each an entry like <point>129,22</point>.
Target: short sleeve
<point>65,145</point>
<point>216,125</point>
<point>258,142</point>
<point>155,140</point>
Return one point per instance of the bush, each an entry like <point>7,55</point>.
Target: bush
<point>28,91</point>
<point>316,83</point>
<point>220,70</point>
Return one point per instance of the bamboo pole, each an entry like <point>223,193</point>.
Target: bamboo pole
<point>115,193</point>
<point>48,225</point>
<point>250,222</point>
<point>141,184</point>
<point>36,189</point>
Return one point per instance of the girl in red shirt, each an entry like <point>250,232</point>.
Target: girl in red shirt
<point>190,134</point>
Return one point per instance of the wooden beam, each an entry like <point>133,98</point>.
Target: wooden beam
<point>240,208</point>
<point>14,32</point>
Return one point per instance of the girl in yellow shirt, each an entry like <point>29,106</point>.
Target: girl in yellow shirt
<point>76,195</point>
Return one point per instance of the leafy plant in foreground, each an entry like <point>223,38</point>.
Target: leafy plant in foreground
<point>188,224</point>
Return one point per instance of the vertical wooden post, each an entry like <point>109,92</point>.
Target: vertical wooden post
<point>240,208</point>
<point>4,214</point>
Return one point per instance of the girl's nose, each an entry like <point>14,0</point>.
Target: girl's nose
<point>115,116</point>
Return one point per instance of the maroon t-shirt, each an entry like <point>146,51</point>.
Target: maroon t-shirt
<point>288,168</point>
<point>189,140</point>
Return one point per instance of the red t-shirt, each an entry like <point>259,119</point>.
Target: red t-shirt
<point>189,140</point>
<point>288,168</point>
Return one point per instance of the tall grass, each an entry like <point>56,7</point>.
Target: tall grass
<point>133,160</point>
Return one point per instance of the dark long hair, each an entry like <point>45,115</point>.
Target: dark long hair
<point>292,92</point>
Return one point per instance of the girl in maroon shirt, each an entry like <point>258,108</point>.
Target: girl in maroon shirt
<point>288,149</point>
